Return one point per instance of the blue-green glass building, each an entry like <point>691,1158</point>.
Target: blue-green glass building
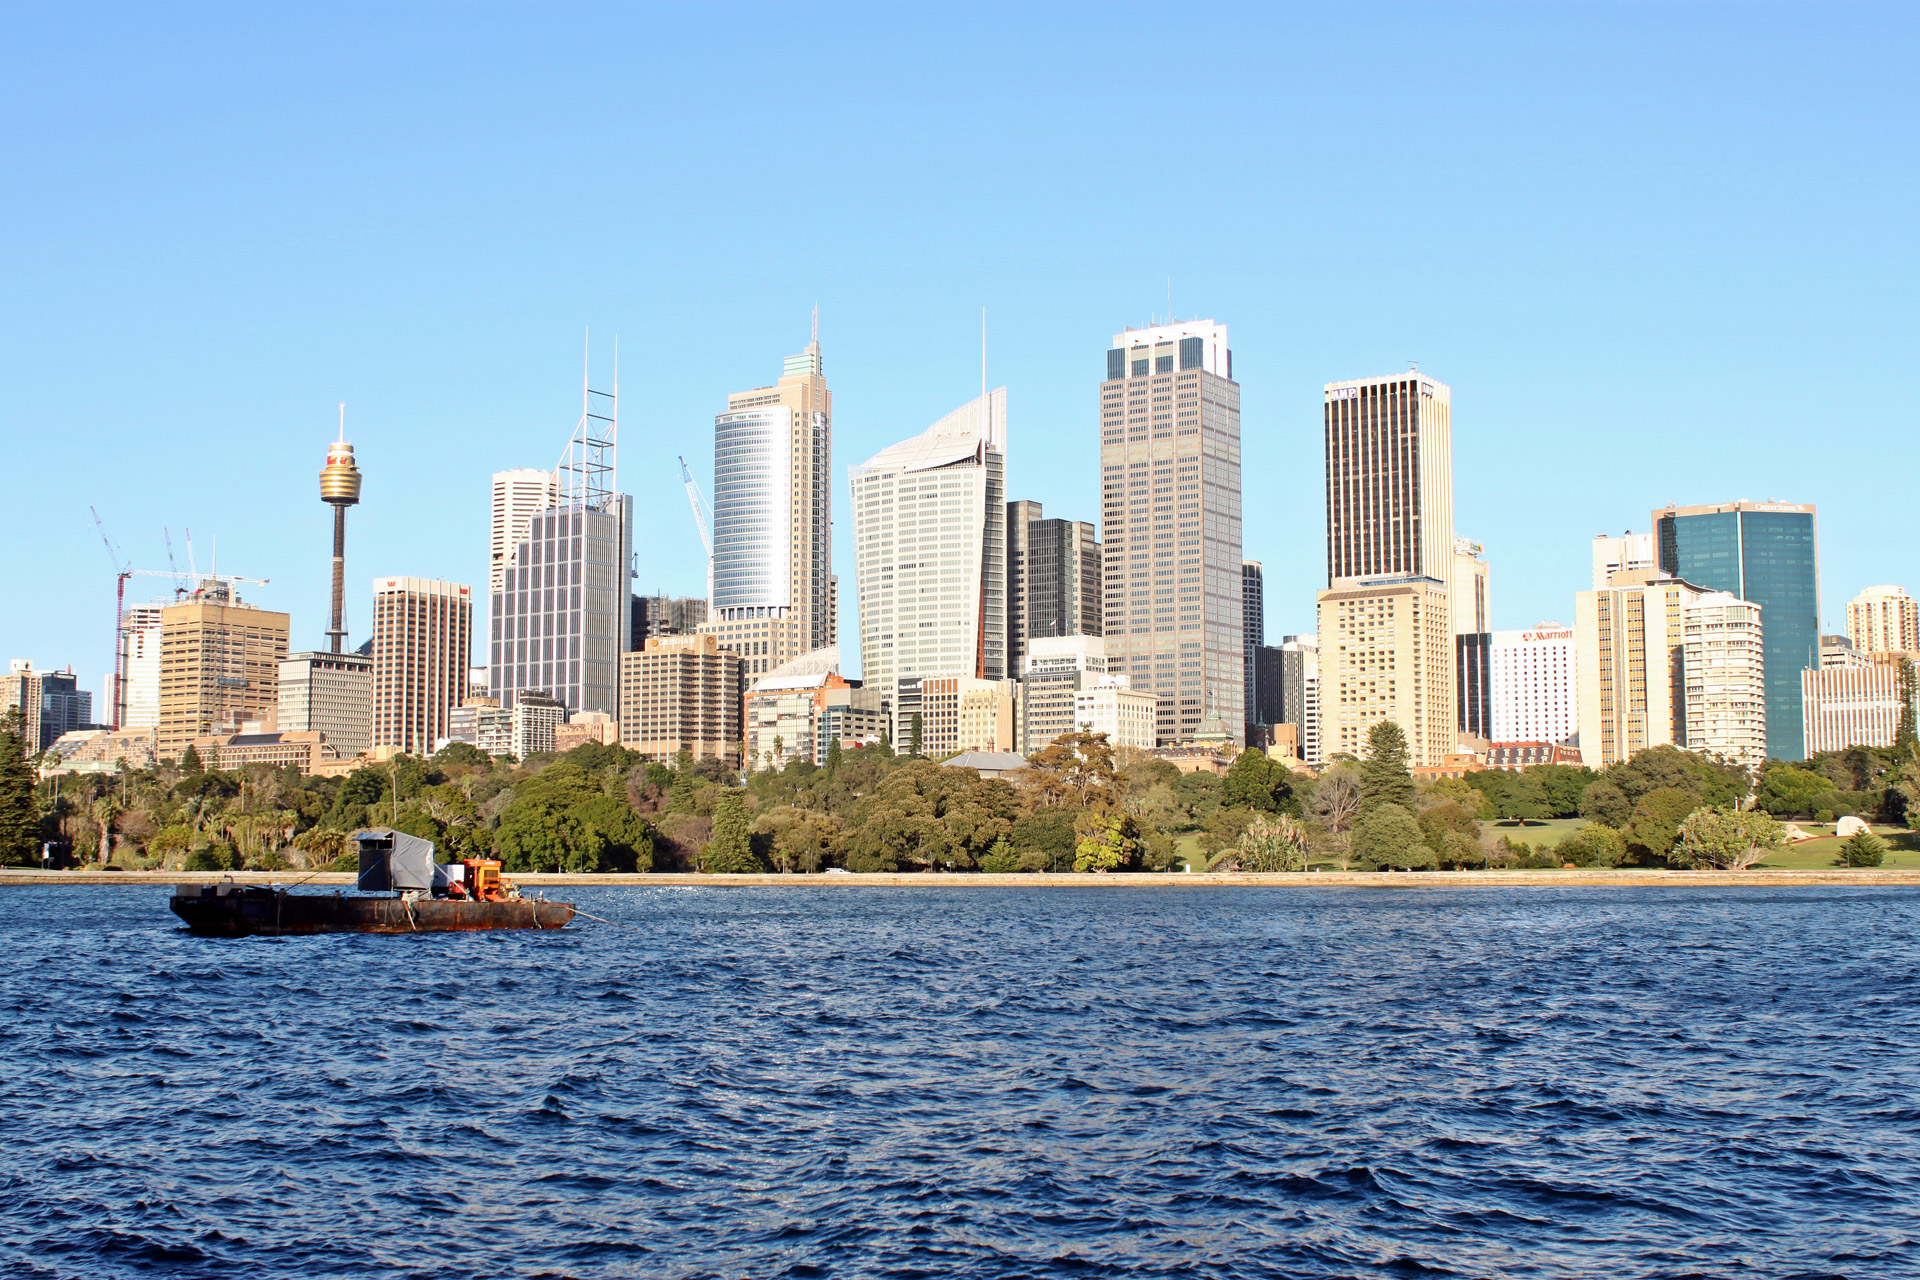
<point>1763,552</point>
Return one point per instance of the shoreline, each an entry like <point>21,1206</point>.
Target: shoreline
<point>1877,877</point>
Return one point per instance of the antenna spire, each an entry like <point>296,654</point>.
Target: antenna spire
<point>816,324</point>
<point>343,422</point>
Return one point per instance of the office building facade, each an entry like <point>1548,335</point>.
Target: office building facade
<point>1724,666</point>
<point>1766,553</point>
<point>1107,705</point>
<point>1390,565</point>
<point>1057,667</point>
<point>219,666</point>
<point>683,693</point>
<point>1884,619</point>
<point>1253,632</point>
<point>930,540</point>
<point>561,620</point>
<point>1851,704</point>
<point>1021,514</point>
<point>137,699</point>
<point>1631,553</point>
<point>1300,692</point>
<point>1534,684</point>
<point>663,615</point>
<point>1053,580</point>
<point>422,639</point>
<point>1471,588</point>
<point>1173,616</point>
<point>329,694</point>
<point>534,721</point>
<point>518,496</point>
<point>481,722</point>
<point>1473,683</point>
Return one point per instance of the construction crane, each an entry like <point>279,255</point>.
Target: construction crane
<point>120,574</point>
<point>701,517</point>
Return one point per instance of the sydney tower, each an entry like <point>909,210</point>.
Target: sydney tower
<point>339,489</point>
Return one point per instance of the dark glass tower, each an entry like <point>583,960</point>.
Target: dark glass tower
<point>1763,552</point>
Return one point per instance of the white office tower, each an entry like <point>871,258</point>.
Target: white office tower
<point>930,528</point>
<point>1170,506</point>
<point>1057,668</point>
<point>1627,553</point>
<point>1725,673</point>
<point>518,496</point>
<point>1386,622</point>
<point>1535,684</point>
<point>139,701</point>
<point>1471,589</point>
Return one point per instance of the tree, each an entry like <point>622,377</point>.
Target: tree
<point>833,754</point>
<point>730,851</point>
<point>1256,781</point>
<point>1785,789</point>
<point>1562,786</point>
<point>1728,839</point>
<point>913,735</point>
<point>1387,836</point>
<point>1655,824</point>
<point>1384,777</point>
<point>461,753</point>
<point>1437,820</point>
<point>1109,841</point>
<point>1605,803</point>
<point>1668,766</point>
<point>190,762</point>
<point>1906,742</point>
<point>19,815</point>
<point>104,812</point>
<point>1594,845</point>
<point>1075,768</point>
<point>1525,798</point>
<point>1863,849</point>
<point>1336,798</point>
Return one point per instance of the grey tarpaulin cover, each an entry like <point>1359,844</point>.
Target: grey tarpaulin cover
<point>395,860</point>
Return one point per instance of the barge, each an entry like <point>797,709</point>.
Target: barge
<point>401,889</point>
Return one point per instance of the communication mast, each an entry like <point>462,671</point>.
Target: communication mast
<point>588,467</point>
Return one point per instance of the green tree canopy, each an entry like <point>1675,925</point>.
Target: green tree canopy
<point>1655,824</point>
<point>1729,839</point>
<point>1607,804</point>
<point>1387,836</point>
<point>1863,849</point>
<point>1786,789</point>
<point>19,813</point>
<point>1259,782</point>
<point>1109,841</point>
<point>730,851</point>
<point>1384,776</point>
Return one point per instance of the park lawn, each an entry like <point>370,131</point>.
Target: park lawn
<point>1186,852</point>
<point>1904,850</point>
<point>1540,833</point>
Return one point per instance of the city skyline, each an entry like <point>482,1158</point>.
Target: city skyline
<point>219,385</point>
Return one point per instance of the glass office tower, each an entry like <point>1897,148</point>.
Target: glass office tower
<point>1763,552</point>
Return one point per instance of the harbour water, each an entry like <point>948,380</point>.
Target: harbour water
<point>902,1082</point>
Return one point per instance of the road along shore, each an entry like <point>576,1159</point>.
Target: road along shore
<point>1634,877</point>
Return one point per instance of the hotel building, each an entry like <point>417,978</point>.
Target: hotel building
<point>422,636</point>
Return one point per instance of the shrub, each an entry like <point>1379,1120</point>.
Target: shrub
<point>1864,849</point>
<point>215,857</point>
<point>1034,860</point>
<point>1725,838</point>
<point>1594,845</point>
<point>1000,859</point>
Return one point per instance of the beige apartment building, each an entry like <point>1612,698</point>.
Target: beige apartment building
<point>422,648</point>
<point>1883,620</point>
<point>1386,653</point>
<point>683,693</point>
<point>1630,653</point>
<point>962,713</point>
<point>1725,668</point>
<point>219,666</point>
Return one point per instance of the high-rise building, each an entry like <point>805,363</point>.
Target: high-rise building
<point>561,618</point>
<point>138,698</point>
<point>1838,651</point>
<point>1108,706</point>
<point>772,517</point>
<point>51,703</point>
<point>1253,631</point>
<point>1300,692</point>
<point>518,496</point>
<point>1884,620</point>
<point>1471,589</point>
<point>1630,653</point>
<point>1020,514</point>
<point>1057,667</point>
<point>930,535</point>
<point>961,713</point>
<point>219,665</point>
<point>1170,513</point>
<point>1386,619</point>
<point>683,693</point>
<point>1765,552</point>
<point>1534,684</point>
<point>482,723</point>
<point>664,615</point>
<point>1851,704</point>
<point>1269,704</point>
<point>1627,553</point>
<point>1724,665</point>
<point>422,639</point>
<point>787,710</point>
<point>1473,683</point>
<point>331,694</point>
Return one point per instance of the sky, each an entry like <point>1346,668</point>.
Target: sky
<point>1661,253</point>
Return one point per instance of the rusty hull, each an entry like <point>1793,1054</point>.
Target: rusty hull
<point>239,911</point>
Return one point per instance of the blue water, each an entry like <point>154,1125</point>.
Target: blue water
<point>879,1082</point>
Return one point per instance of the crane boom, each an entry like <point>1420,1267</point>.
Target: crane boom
<point>120,572</point>
<point>700,515</point>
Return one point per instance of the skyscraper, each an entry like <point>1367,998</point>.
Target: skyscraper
<point>930,533</point>
<point>1471,589</point>
<point>219,666</point>
<point>561,619</point>
<point>138,699</point>
<point>518,496</point>
<point>1386,621</point>
<point>1170,513</point>
<point>1630,639</point>
<point>1534,684</point>
<point>1884,620</point>
<point>1253,632</point>
<point>339,489</point>
<point>329,693</point>
<point>772,517</point>
<point>1725,671</point>
<point>422,636</point>
<point>1629,553</point>
<point>1020,514</point>
<point>1764,552</point>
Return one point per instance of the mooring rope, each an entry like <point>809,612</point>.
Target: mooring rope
<point>618,924</point>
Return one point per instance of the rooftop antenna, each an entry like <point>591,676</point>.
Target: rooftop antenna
<point>1413,366</point>
<point>816,324</point>
<point>1169,299</point>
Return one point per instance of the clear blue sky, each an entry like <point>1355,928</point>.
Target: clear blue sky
<point>1661,253</point>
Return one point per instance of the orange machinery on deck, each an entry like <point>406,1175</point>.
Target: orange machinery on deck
<point>480,879</point>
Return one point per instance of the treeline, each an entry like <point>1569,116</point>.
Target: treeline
<point>1079,805</point>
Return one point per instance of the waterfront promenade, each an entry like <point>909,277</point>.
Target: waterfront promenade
<point>1625,877</point>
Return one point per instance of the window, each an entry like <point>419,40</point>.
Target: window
<point>1116,364</point>
<point>1163,364</point>
<point>1139,368</point>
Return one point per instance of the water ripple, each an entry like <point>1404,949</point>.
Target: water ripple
<point>997,1083</point>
